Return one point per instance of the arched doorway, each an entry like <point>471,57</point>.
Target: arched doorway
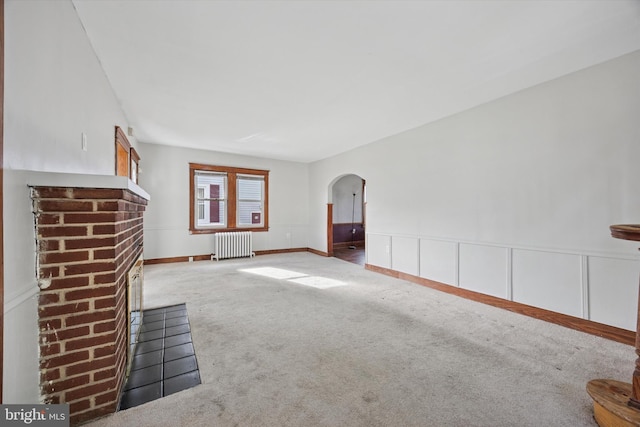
<point>346,218</point>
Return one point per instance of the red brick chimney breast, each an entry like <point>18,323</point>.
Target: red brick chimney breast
<point>87,240</point>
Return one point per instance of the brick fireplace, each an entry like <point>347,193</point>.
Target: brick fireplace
<point>87,240</point>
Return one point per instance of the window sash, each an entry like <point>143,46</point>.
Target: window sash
<point>249,203</point>
<point>210,199</point>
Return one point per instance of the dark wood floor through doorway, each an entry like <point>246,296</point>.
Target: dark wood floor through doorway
<point>355,256</point>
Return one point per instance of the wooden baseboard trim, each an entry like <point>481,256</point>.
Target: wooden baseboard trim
<point>588,326</point>
<point>166,260</point>
<point>281,251</point>
<point>169,260</point>
<point>317,252</point>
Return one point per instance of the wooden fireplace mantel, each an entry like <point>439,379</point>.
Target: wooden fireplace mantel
<point>616,403</point>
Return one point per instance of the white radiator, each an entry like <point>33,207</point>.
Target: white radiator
<point>233,245</point>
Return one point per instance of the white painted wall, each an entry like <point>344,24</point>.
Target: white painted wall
<point>55,90</point>
<point>165,175</point>
<point>513,198</point>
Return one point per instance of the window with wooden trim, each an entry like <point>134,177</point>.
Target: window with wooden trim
<point>227,199</point>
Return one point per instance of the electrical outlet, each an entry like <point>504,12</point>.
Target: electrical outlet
<point>190,259</point>
<point>84,141</point>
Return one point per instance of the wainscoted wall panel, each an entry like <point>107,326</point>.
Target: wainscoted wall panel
<point>539,275</point>
<point>404,255</point>
<point>613,283</point>
<point>439,261</point>
<point>594,286</point>
<point>21,318</point>
<point>484,269</point>
<point>378,250</point>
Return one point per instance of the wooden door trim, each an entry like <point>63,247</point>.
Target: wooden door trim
<point>330,229</point>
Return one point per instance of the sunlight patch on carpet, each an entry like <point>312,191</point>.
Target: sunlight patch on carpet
<point>274,273</point>
<point>317,282</point>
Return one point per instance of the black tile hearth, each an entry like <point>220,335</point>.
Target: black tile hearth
<point>176,321</point>
<point>181,382</point>
<point>176,330</point>
<point>177,340</point>
<point>152,326</point>
<point>144,376</point>
<point>177,352</point>
<point>140,395</point>
<point>164,362</point>
<point>152,335</point>
<point>177,367</point>
<point>147,346</point>
<point>147,359</point>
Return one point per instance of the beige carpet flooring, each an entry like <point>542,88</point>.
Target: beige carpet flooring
<point>302,340</point>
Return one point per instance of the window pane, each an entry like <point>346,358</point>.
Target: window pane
<point>201,210</point>
<point>249,188</point>
<point>250,201</point>
<point>249,213</point>
<point>210,199</point>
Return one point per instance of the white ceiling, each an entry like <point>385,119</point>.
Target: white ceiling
<point>305,80</point>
